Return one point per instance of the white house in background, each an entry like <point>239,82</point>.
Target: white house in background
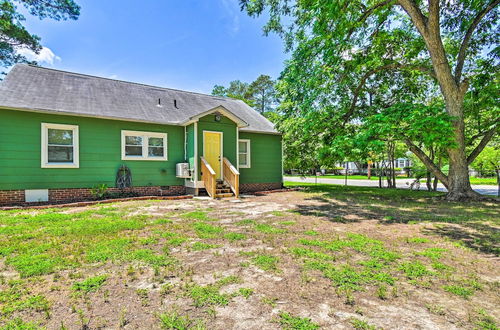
<point>352,168</point>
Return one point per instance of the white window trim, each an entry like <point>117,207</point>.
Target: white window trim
<point>145,145</point>
<point>249,157</point>
<point>45,148</point>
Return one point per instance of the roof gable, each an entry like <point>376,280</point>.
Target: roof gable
<point>34,88</point>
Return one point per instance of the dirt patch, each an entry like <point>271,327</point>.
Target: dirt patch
<point>240,265</point>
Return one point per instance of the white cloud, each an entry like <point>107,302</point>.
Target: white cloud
<point>46,55</point>
<point>233,11</point>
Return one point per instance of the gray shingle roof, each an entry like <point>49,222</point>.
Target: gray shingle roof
<point>48,90</point>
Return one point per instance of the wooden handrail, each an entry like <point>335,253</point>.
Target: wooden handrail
<point>208,177</point>
<point>231,177</point>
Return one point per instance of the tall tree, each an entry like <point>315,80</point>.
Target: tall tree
<point>339,47</point>
<point>263,94</point>
<point>13,34</point>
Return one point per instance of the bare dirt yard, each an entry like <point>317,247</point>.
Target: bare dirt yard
<point>327,257</point>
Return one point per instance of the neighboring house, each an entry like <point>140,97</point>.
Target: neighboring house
<point>352,168</point>
<point>62,133</point>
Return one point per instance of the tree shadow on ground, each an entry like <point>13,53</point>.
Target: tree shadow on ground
<point>471,223</point>
<point>479,237</point>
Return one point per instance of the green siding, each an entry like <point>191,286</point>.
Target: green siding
<point>100,153</point>
<point>265,159</point>
<point>227,127</point>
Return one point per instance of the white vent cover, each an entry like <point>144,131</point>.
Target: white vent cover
<point>36,195</point>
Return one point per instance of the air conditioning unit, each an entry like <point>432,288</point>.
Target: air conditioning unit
<point>182,170</point>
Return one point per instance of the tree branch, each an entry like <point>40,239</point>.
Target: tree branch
<point>468,37</point>
<point>484,141</point>
<point>427,162</point>
<point>368,12</point>
<point>434,13</point>
<point>392,66</point>
<point>419,19</point>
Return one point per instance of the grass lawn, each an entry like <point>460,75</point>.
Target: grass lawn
<point>319,258</point>
<point>473,180</point>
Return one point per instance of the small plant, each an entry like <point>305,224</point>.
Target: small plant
<point>290,322</point>
<point>245,292</point>
<point>174,321</point>
<point>90,284</point>
<point>207,296</point>
<point>268,229</point>
<point>382,292</point>
<point>361,325</point>
<point>99,191</point>
<point>235,236</point>
<point>459,290</point>
<point>200,246</point>
<point>266,262</point>
<point>270,301</point>
<point>311,233</point>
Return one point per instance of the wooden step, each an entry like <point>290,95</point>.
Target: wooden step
<point>223,190</point>
<point>224,195</point>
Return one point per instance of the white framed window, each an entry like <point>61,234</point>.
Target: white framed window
<point>144,145</point>
<point>60,146</point>
<point>244,153</point>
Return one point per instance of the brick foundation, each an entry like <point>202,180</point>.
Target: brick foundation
<point>253,187</point>
<point>16,197</point>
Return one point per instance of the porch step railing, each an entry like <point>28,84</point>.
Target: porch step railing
<point>231,177</point>
<point>208,177</point>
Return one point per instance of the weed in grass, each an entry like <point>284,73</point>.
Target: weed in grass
<point>90,284</point>
<point>197,215</point>
<point>207,296</point>
<point>432,253</point>
<point>485,321</point>
<point>290,322</point>
<point>166,288</point>
<point>108,250</point>
<point>148,240</point>
<point>266,262</point>
<point>205,230</point>
<point>245,292</point>
<point>311,233</point>
<point>270,301</point>
<point>200,246</point>
<point>174,321</point>
<point>309,253</point>
<point>232,279</point>
<point>460,291</point>
<point>361,325</point>
<point>235,236</point>
<point>268,229</point>
<point>162,221</point>
<point>435,309</point>
<point>382,292</point>
<point>287,223</point>
<point>414,270</point>
<point>19,324</point>
<point>149,257</point>
<point>143,295</point>
<point>32,265</point>
<point>278,213</point>
<point>417,240</point>
<point>176,241</point>
<point>246,222</point>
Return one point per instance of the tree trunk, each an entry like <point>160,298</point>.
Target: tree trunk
<point>458,178</point>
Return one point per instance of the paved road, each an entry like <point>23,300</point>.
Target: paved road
<point>400,183</point>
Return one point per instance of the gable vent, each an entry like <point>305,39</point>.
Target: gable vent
<point>175,104</point>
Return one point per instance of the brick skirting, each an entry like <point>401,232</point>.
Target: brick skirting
<point>253,187</point>
<point>17,197</point>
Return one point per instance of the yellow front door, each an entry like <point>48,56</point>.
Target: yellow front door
<point>212,149</point>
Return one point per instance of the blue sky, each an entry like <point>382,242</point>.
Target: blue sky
<point>185,44</point>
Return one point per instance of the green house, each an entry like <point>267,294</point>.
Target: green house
<point>63,135</point>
